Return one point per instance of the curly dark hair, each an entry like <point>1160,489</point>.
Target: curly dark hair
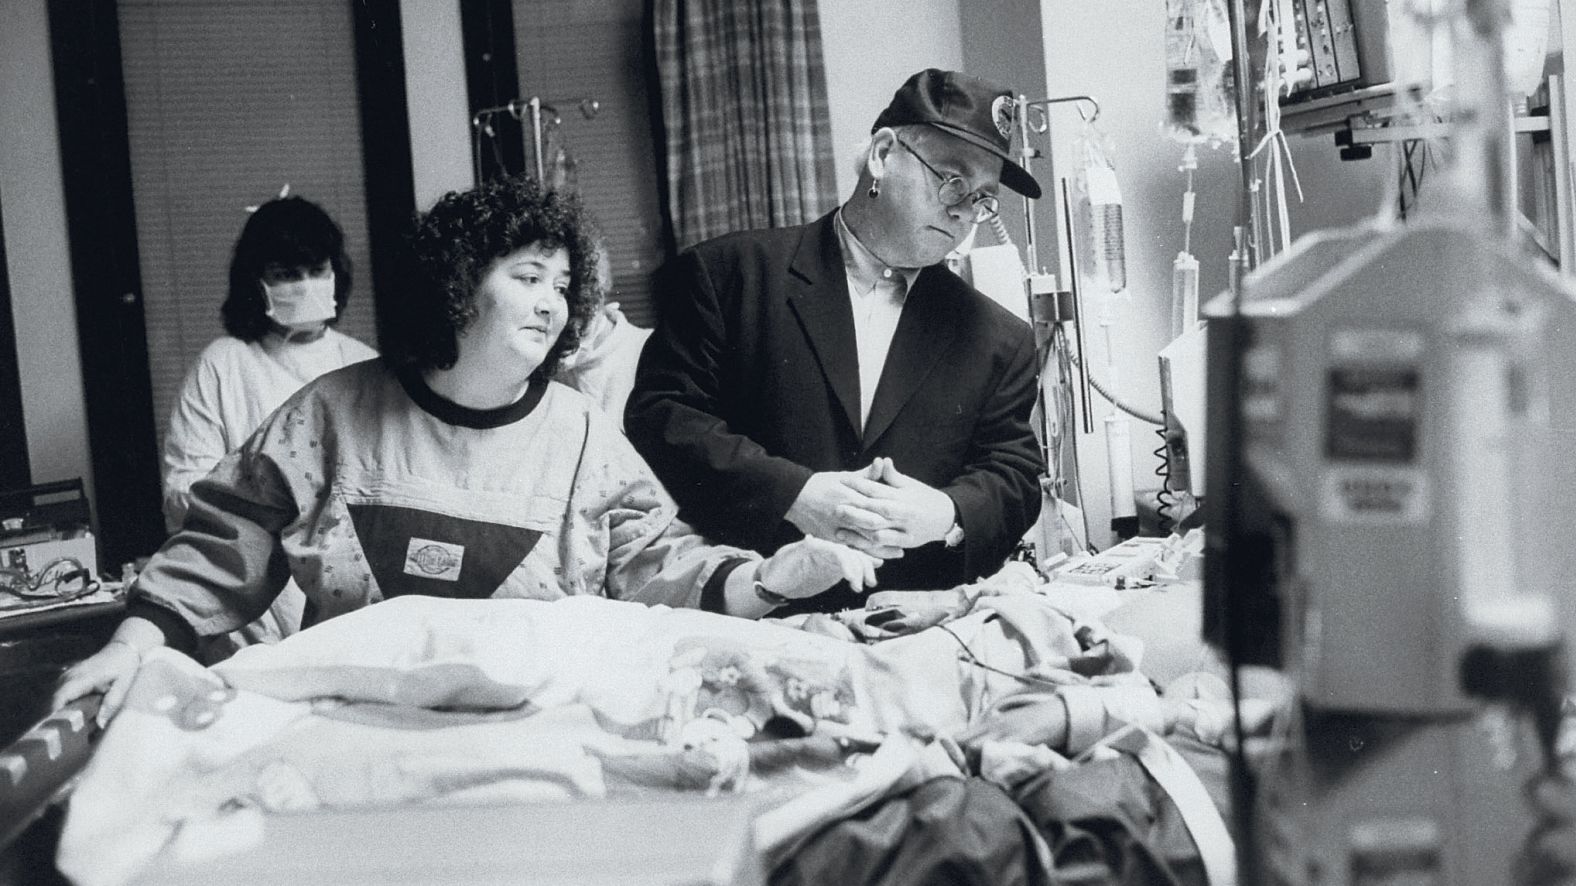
<point>292,232</point>
<point>452,247</point>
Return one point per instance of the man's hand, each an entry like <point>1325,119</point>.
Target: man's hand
<point>823,507</point>
<point>898,511</point>
<point>811,565</point>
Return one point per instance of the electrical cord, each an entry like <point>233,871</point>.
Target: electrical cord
<point>44,588</point>
<point>969,656</point>
<point>1119,403</point>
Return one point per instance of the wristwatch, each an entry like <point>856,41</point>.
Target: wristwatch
<point>769,597</point>
<point>954,536</point>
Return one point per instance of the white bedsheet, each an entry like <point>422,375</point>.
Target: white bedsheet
<point>425,700</point>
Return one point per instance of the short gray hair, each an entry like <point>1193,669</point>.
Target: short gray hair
<point>915,133</point>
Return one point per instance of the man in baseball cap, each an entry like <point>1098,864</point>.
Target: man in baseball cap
<point>977,111</point>
<point>836,380</point>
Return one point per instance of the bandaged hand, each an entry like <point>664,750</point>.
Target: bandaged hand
<point>821,508</point>
<point>809,566</point>
<point>897,511</point>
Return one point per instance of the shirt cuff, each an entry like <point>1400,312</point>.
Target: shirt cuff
<point>712,596</point>
<point>178,633</point>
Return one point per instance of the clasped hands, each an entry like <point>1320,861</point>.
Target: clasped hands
<point>878,510</point>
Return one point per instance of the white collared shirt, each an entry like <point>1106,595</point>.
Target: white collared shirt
<point>876,293</point>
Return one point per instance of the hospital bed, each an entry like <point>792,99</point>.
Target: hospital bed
<point>668,836</point>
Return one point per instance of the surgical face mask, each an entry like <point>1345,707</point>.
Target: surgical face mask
<point>300,302</point>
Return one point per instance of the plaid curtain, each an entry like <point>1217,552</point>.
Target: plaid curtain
<point>744,114</point>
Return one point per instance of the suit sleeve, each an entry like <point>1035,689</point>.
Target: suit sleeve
<point>726,484</point>
<point>998,492</point>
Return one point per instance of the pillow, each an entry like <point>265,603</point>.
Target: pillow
<point>1169,619</point>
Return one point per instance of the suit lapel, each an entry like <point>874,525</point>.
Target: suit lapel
<point>819,299</point>
<point>923,334</point>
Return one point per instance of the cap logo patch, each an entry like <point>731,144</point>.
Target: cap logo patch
<point>1001,113</point>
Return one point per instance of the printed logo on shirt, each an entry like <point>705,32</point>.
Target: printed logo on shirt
<point>404,556</point>
<point>433,559</point>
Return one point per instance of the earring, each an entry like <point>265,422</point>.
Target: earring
<point>875,188</point>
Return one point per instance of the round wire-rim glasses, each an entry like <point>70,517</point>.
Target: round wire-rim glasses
<point>954,190</point>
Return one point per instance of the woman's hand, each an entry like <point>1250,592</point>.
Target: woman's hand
<point>811,565</point>
<point>110,670</point>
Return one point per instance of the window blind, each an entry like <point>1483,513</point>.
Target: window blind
<point>227,102</point>
<point>570,49</point>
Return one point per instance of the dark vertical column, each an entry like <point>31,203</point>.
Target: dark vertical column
<point>95,155</point>
<point>15,471</point>
<point>385,146</point>
<point>492,78</point>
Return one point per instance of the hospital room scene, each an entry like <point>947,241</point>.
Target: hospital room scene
<point>787,442</point>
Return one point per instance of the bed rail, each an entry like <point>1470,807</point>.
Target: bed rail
<point>45,759</point>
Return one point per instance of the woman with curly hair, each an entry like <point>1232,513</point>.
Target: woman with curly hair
<point>451,467</point>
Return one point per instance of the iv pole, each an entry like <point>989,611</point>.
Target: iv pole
<point>1050,307</point>
<point>542,114</point>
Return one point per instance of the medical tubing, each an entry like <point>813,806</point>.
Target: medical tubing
<point>1119,403</point>
<point>999,228</point>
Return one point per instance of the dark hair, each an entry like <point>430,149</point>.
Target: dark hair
<point>455,243</point>
<point>291,232</point>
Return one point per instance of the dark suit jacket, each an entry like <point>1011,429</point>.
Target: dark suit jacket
<point>751,383</point>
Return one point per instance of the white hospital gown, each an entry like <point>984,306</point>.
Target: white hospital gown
<point>228,392</point>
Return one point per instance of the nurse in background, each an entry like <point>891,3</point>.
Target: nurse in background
<point>289,282</point>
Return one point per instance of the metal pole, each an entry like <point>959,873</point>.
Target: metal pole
<point>536,139</point>
<point>1026,159</point>
<point>1242,76</point>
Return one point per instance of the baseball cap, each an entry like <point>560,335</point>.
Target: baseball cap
<point>973,109</point>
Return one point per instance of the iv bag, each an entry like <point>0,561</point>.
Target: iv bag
<point>1102,252</point>
<point>1200,91</point>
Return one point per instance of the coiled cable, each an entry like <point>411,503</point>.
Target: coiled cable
<point>1164,500</point>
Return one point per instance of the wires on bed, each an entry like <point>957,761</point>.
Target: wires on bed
<point>967,655</point>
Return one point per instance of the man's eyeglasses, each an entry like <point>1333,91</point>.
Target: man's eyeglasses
<point>955,190</point>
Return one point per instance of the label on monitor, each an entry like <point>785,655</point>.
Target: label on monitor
<point>1374,396</point>
<point>1373,425</point>
<point>1374,495</point>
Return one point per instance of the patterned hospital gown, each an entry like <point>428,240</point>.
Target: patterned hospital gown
<point>366,485</point>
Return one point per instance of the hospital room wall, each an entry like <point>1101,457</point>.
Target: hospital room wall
<point>38,262</point>
<point>34,224</point>
<point>1114,50</point>
<point>869,48</point>
<point>440,135</point>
